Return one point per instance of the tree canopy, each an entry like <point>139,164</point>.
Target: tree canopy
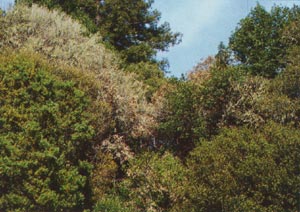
<point>44,126</point>
<point>258,41</point>
<point>131,26</point>
<point>82,130</point>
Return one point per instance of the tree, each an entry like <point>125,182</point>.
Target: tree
<point>82,10</point>
<point>181,121</point>
<point>153,182</point>
<point>150,74</point>
<point>130,26</point>
<point>2,12</point>
<point>216,94</point>
<point>45,139</point>
<point>222,57</point>
<point>258,43</point>
<point>245,170</point>
<point>133,28</point>
<point>290,78</point>
<point>61,40</point>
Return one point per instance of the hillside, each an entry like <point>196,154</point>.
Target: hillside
<point>84,128</point>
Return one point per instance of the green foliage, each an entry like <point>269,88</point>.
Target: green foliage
<point>153,182</point>
<point>243,106</point>
<point>216,94</point>
<point>246,170</point>
<point>45,138</point>
<point>150,74</point>
<point>289,80</point>
<point>55,35</point>
<point>258,41</point>
<point>73,131</point>
<point>278,99</point>
<point>2,12</point>
<point>103,176</point>
<point>223,56</point>
<point>254,102</point>
<point>181,121</point>
<point>83,11</point>
<point>111,204</point>
<point>133,28</point>
<point>277,106</point>
<point>130,26</point>
<point>197,108</point>
<point>62,41</point>
<point>229,98</point>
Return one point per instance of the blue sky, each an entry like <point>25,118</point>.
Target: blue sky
<point>5,3</point>
<point>204,24</point>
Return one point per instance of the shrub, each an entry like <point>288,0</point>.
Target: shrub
<point>65,42</point>
<point>181,121</point>
<point>246,170</point>
<point>154,182</point>
<point>46,134</point>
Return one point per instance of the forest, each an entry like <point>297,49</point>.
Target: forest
<point>91,122</point>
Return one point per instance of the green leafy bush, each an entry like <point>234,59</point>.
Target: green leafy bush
<point>181,121</point>
<point>216,94</point>
<point>112,204</point>
<point>246,170</point>
<point>64,42</point>
<point>153,182</point>
<point>45,137</point>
